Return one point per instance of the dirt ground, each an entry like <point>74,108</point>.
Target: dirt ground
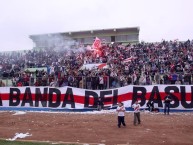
<point>176,128</point>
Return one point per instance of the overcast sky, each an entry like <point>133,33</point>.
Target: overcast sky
<point>157,19</point>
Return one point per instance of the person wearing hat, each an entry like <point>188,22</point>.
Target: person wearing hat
<point>136,107</point>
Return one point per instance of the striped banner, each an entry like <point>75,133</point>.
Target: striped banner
<point>76,98</point>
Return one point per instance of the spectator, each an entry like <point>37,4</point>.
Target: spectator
<point>101,82</point>
<point>2,84</point>
<point>19,84</point>
<point>178,82</point>
<point>52,84</point>
<point>100,104</point>
<point>150,105</point>
<point>88,82</point>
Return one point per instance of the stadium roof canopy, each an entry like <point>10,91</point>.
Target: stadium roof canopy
<point>93,32</point>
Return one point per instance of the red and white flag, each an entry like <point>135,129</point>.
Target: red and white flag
<point>97,43</point>
<point>79,56</point>
<point>129,59</point>
<point>172,66</point>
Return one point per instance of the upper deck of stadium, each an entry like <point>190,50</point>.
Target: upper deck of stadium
<point>123,35</point>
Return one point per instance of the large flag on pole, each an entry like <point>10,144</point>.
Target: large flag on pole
<point>97,43</point>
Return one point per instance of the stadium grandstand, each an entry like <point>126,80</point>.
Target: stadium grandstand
<point>70,59</point>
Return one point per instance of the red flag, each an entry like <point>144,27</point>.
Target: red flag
<point>102,65</point>
<point>97,43</point>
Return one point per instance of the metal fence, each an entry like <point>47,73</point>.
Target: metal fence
<point>79,82</point>
<point>93,83</point>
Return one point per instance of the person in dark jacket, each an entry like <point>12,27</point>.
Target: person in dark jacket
<point>100,104</point>
<point>167,101</point>
<point>150,105</point>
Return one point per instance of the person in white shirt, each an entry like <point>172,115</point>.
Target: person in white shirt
<point>101,82</point>
<point>121,114</point>
<point>136,108</point>
<point>52,84</point>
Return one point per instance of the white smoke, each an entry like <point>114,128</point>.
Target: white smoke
<point>62,43</point>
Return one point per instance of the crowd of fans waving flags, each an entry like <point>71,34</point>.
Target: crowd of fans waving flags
<point>165,62</point>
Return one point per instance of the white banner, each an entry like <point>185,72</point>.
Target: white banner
<point>68,97</point>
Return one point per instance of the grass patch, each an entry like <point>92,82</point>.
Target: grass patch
<point>5,142</point>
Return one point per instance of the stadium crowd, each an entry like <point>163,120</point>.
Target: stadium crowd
<point>166,62</point>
